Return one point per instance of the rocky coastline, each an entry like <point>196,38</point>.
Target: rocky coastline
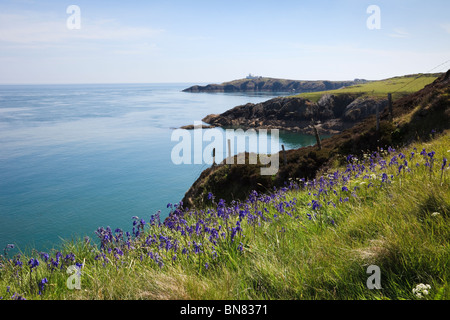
<point>331,114</point>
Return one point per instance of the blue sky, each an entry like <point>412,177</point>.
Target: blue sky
<point>216,41</point>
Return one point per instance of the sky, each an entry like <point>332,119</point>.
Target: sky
<point>109,41</point>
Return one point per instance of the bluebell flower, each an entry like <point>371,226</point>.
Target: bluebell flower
<point>17,296</point>
<point>42,284</point>
<point>315,204</point>
<point>33,263</point>
<point>44,256</point>
<point>197,247</point>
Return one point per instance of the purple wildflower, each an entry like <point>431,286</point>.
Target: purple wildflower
<point>315,204</point>
<point>42,284</point>
<point>44,256</point>
<point>33,263</point>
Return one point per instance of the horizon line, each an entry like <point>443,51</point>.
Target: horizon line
<point>203,82</point>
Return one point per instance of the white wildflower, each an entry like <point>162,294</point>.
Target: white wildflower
<point>435,214</point>
<point>421,290</point>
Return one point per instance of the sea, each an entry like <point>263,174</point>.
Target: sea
<point>74,158</point>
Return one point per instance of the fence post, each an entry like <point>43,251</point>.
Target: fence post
<point>378,118</point>
<point>214,156</point>
<point>316,133</point>
<point>284,154</point>
<point>391,116</point>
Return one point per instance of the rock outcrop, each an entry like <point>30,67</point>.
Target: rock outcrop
<point>332,114</point>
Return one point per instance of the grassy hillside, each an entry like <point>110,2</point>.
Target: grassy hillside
<point>398,86</point>
<point>310,240</point>
<point>414,116</point>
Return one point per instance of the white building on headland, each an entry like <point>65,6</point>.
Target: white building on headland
<point>250,76</point>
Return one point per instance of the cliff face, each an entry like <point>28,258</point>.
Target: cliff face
<point>335,113</point>
<point>273,85</point>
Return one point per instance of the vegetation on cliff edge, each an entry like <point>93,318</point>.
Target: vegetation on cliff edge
<point>309,240</point>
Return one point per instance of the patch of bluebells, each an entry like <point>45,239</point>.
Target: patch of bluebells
<point>197,234</point>
<point>200,236</point>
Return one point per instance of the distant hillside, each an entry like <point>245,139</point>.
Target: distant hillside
<point>262,84</point>
<point>398,86</point>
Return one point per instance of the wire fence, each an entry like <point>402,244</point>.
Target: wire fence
<point>421,75</point>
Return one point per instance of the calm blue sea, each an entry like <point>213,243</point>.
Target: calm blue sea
<point>77,157</point>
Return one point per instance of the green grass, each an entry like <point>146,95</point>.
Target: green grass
<point>300,253</point>
<point>398,86</point>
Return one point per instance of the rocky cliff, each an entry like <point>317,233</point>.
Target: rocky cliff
<point>332,113</point>
<point>273,85</point>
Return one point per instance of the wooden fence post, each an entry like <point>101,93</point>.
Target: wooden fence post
<point>378,118</point>
<point>284,154</point>
<point>391,115</point>
<point>316,133</point>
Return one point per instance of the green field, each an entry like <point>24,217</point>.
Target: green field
<point>398,86</point>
